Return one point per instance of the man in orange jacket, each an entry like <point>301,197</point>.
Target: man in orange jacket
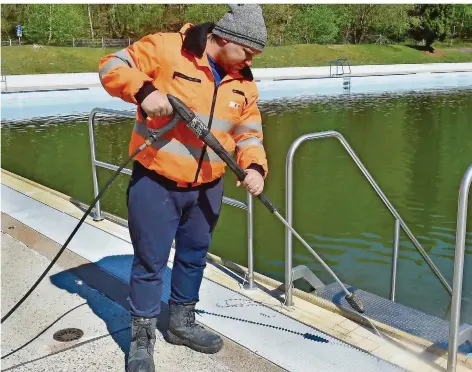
<point>176,191</point>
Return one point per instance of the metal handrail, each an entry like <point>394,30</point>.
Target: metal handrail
<point>289,209</point>
<point>229,201</point>
<point>458,269</point>
<point>396,245</point>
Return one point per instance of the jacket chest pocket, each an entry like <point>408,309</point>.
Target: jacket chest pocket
<point>187,88</point>
<point>237,103</point>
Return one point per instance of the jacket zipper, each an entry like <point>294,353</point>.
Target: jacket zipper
<point>210,120</point>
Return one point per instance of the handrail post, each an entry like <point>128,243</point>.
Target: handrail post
<point>95,163</point>
<point>250,244</point>
<point>458,269</point>
<point>396,242</point>
<point>98,212</point>
<point>289,219</point>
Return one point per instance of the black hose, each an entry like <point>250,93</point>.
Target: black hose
<point>153,137</point>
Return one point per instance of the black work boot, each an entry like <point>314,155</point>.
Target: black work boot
<point>143,338</point>
<point>184,331</point>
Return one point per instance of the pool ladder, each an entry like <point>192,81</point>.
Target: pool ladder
<point>4,82</point>
<point>340,63</point>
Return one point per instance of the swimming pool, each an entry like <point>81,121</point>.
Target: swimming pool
<point>411,131</point>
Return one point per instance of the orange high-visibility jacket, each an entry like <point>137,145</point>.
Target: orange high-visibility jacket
<point>176,63</point>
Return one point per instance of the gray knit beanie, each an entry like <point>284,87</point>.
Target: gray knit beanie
<point>243,24</point>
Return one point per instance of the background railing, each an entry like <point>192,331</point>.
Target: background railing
<point>101,42</point>
<point>11,42</point>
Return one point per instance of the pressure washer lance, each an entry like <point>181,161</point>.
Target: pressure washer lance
<point>154,135</point>
<point>202,132</point>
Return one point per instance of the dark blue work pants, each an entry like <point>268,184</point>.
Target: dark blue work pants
<point>158,212</point>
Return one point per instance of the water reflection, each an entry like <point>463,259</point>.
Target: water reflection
<point>417,147</point>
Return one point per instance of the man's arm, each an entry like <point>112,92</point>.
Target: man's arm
<point>248,136</point>
<point>129,74</point>
<point>250,153</point>
<point>131,70</point>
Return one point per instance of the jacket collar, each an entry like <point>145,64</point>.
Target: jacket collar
<point>194,42</point>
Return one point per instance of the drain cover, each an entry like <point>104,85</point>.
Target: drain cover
<point>68,334</point>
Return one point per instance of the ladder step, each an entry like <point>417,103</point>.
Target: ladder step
<point>415,322</point>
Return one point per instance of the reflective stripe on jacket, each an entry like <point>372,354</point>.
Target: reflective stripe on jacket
<point>176,63</point>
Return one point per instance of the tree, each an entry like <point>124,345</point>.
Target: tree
<point>394,22</point>
<point>278,19</point>
<point>135,20</point>
<point>357,19</point>
<point>357,22</point>
<point>54,23</point>
<point>196,13</point>
<point>461,22</point>
<point>89,10</point>
<point>286,23</point>
<point>315,24</point>
<point>12,14</point>
<point>430,22</point>
<point>174,17</point>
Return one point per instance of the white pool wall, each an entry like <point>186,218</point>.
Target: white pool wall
<point>261,74</point>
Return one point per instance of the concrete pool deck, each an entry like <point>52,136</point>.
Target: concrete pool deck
<point>25,233</point>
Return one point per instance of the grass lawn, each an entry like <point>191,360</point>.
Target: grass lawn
<point>22,60</point>
<point>28,60</point>
<point>366,54</point>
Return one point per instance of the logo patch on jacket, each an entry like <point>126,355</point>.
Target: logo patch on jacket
<point>234,104</point>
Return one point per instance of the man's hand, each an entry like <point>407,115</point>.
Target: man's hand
<point>156,104</point>
<point>253,183</point>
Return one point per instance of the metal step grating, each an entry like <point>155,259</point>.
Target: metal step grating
<point>395,315</point>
